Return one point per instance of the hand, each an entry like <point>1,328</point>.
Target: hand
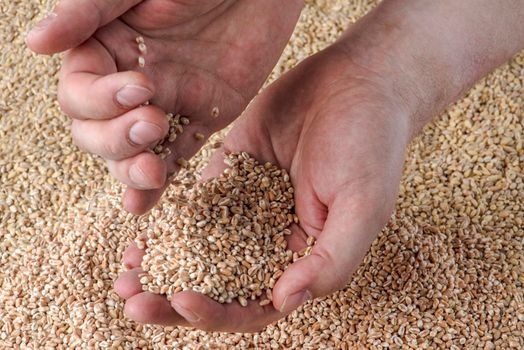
<point>340,131</point>
<point>200,55</point>
<point>340,122</point>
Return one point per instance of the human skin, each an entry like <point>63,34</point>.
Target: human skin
<point>340,122</point>
<point>200,54</point>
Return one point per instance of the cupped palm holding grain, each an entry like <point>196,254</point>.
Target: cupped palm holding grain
<point>203,59</point>
<point>343,141</point>
<point>340,123</point>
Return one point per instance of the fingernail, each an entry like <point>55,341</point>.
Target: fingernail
<point>190,316</point>
<point>45,22</point>
<point>293,301</point>
<point>137,175</point>
<point>144,133</point>
<point>133,95</point>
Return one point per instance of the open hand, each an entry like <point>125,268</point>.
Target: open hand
<point>339,129</point>
<point>200,55</point>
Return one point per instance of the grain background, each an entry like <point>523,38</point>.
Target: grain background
<point>447,272</point>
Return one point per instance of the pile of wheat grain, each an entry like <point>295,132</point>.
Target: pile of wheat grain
<point>225,237</point>
<point>446,273</point>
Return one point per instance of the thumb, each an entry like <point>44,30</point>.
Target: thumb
<point>72,22</point>
<point>339,249</point>
<point>248,135</point>
<point>216,164</point>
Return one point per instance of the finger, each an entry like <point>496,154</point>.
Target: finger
<point>122,137</point>
<point>144,171</point>
<point>202,312</point>
<point>249,135</point>
<point>216,165</point>
<point>91,88</point>
<point>297,240</point>
<point>185,145</point>
<point>153,309</point>
<point>72,22</point>
<point>133,255</point>
<point>128,283</point>
<point>139,201</point>
<point>341,246</point>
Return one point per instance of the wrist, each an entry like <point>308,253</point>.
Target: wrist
<point>428,53</point>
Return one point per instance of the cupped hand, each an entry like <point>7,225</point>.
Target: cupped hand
<point>341,130</point>
<point>200,55</point>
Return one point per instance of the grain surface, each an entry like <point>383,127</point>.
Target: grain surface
<point>223,237</point>
<point>446,273</point>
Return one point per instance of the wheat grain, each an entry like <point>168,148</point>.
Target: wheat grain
<point>452,254</point>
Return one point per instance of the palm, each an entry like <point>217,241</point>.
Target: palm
<point>201,56</point>
<point>343,139</point>
<point>198,54</point>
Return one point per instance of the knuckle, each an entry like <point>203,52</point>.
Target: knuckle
<point>98,10</point>
<point>77,139</point>
<point>114,148</point>
<point>78,143</point>
<point>62,103</point>
<point>328,262</point>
